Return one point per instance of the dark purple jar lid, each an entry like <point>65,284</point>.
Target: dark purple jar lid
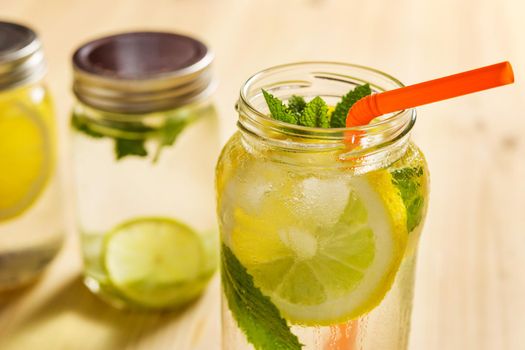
<point>142,72</point>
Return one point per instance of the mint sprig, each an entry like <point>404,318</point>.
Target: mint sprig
<point>316,112</point>
<point>278,110</point>
<point>296,105</point>
<point>125,147</point>
<point>166,135</point>
<point>81,125</point>
<point>254,312</point>
<point>169,133</point>
<point>131,146</point>
<point>409,182</point>
<point>338,119</point>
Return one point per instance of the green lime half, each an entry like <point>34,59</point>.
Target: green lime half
<point>156,262</point>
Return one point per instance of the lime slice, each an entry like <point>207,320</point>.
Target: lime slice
<point>319,268</point>
<point>156,262</point>
<point>25,157</point>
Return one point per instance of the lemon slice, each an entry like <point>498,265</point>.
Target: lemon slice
<point>156,262</point>
<point>323,269</point>
<point>25,157</point>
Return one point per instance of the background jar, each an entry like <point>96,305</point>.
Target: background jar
<point>145,142</point>
<point>31,223</point>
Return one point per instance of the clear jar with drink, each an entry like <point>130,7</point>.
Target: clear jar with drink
<point>145,140</point>
<point>31,222</point>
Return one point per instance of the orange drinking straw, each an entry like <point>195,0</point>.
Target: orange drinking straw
<point>369,107</point>
<point>343,336</point>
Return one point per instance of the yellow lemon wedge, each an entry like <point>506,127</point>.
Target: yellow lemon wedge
<point>25,157</point>
<point>322,272</point>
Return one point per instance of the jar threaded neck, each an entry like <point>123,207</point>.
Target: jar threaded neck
<point>22,59</point>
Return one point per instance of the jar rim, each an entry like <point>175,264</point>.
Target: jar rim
<point>383,140</point>
<point>245,102</point>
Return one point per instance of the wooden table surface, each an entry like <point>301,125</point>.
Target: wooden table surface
<point>470,290</point>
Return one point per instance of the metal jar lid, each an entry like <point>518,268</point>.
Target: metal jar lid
<point>142,72</point>
<point>21,56</point>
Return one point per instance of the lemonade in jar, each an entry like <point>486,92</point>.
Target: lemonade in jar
<point>318,239</point>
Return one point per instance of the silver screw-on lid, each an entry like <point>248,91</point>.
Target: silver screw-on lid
<point>142,72</point>
<point>21,56</point>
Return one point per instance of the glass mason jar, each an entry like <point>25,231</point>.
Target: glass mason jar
<point>318,238</point>
<point>31,223</point>
<point>145,143</point>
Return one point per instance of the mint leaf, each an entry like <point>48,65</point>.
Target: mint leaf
<point>125,147</point>
<point>169,133</point>
<point>324,120</point>
<point>81,125</point>
<point>409,182</point>
<point>278,110</point>
<point>338,119</point>
<point>254,313</point>
<point>314,111</point>
<point>131,146</point>
<point>296,105</point>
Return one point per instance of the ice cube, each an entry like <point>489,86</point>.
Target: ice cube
<point>252,194</point>
<point>301,241</point>
<point>255,183</point>
<point>322,200</point>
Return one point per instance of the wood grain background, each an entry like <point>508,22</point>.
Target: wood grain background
<point>470,291</point>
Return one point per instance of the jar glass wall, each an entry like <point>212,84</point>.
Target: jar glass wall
<point>319,239</point>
